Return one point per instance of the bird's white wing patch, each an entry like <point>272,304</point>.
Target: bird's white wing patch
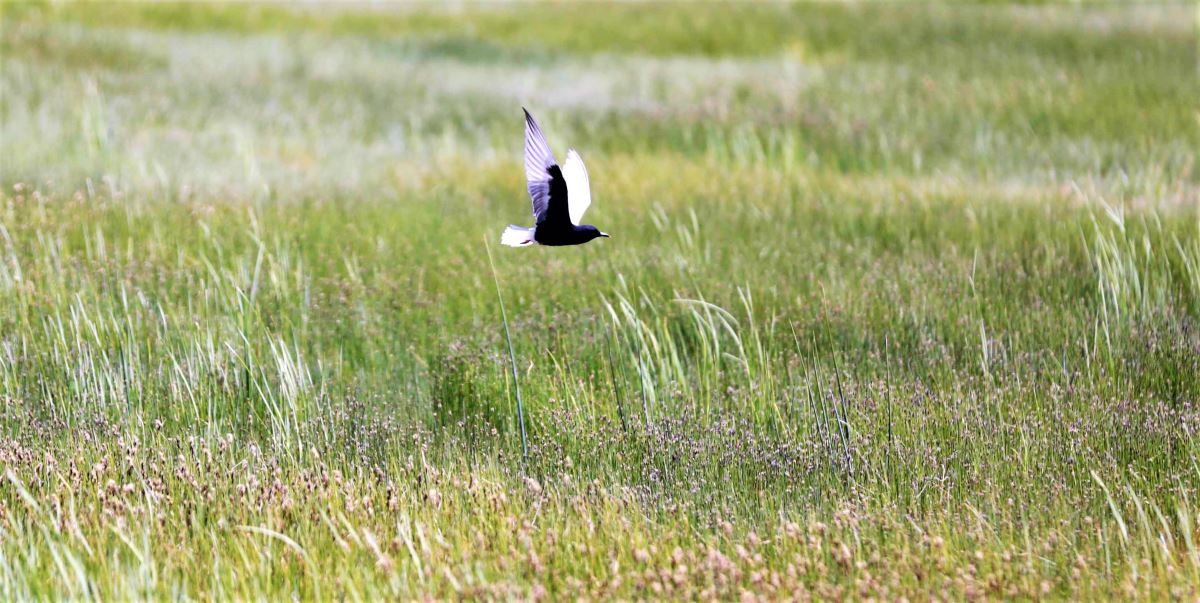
<point>579,191</point>
<point>538,161</point>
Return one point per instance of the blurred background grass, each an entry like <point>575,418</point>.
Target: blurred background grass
<point>934,268</point>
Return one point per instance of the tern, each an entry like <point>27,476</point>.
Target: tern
<point>560,195</point>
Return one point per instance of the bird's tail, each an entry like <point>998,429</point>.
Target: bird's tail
<point>516,236</point>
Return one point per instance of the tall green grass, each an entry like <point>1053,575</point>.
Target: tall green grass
<point>902,301</point>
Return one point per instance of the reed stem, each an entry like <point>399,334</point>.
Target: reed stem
<point>512,357</point>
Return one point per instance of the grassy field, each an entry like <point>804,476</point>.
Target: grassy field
<point>902,301</point>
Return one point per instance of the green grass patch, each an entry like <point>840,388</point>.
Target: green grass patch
<point>903,300</point>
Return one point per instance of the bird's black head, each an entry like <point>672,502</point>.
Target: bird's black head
<point>592,232</point>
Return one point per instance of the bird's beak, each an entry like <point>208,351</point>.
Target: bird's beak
<point>605,235</point>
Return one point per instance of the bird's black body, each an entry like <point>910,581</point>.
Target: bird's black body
<point>570,234</point>
<point>555,228</point>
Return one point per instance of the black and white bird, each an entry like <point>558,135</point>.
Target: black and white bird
<point>559,195</point>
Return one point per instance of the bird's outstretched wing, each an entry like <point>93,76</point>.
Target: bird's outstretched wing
<point>541,168</point>
<point>578,188</point>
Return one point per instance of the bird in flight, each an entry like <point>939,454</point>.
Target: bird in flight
<point>560,195</point>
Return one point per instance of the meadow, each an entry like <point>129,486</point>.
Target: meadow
<point>902,302</point>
